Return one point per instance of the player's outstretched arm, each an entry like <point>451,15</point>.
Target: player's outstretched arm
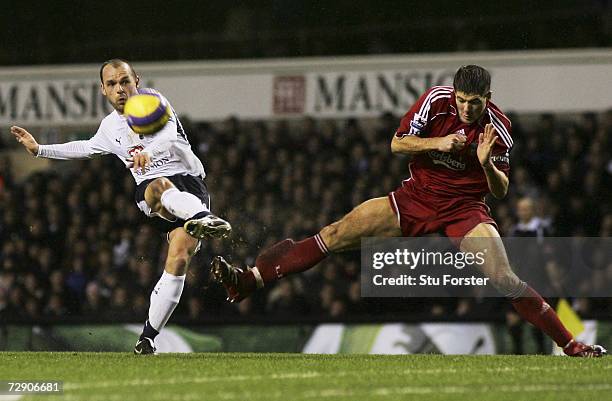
<point>84,149</point>
<point>26,139</point>
<point>411,144</point>
<point>496,180</point>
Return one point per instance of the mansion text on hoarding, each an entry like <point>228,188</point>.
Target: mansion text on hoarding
<point>373,92</point>
<point>334,87</point>
<point>71,101</point>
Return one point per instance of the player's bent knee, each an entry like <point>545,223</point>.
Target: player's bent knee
<point>153,194</point>
<point>329,234</point>
<point>157,187</point>
<point>338,236</point>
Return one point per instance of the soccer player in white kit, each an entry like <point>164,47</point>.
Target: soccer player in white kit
<point>169,180</point>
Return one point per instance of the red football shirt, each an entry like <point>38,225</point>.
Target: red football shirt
<point>452,174</point>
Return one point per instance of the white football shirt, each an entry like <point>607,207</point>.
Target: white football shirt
<point>169,148</point>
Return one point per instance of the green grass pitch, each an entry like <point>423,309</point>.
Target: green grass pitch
<point>236,376</point>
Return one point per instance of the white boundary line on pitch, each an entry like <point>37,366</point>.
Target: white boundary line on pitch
<point>303,375</point>
<point>468,389</point>
<point>205,379</point>
<point>370,393</point>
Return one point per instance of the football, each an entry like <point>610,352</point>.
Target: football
<point>147,112</point>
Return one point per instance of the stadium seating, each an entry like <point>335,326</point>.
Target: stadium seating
<point>75,245</point>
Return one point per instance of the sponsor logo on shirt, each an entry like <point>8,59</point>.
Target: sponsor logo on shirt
<point>155,164</point>
<point>446,159</point>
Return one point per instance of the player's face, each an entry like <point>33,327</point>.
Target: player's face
<point>118,84</point>
<point>470,107</point>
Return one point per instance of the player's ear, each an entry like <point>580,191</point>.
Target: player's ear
<point>137,81</point>
<point>102,88</point>
<point>488,95</point>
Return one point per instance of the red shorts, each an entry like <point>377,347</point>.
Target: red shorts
<point>420,213</point>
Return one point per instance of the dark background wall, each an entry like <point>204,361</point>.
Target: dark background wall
<point>37,32</point>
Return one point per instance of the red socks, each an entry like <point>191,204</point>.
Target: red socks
<point>532,307</point>
<point>287,257</point>
<point>281,259</point>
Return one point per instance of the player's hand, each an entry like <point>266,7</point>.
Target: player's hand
<point>26,139</point>
<point>451,143</point>
<point>486,141</point>
<point>140,160</point>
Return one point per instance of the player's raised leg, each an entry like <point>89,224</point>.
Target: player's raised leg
<point>374,217</point>
<point>167,292</point>
<point>527,302</point>
<point>162,196</point>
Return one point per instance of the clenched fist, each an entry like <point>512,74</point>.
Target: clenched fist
<point>451,143</point>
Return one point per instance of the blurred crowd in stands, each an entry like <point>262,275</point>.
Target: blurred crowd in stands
<point>73,242</point>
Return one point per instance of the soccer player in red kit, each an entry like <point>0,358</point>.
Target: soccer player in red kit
<point>460,143</point>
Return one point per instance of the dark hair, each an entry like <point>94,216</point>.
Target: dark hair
<point>473,80</point>
<point>116,62</point>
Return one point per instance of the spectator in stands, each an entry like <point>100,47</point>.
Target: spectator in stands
<point>529,224</point>
<point>94,304</point>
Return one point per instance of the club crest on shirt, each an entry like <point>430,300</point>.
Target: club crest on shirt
<point>135,149</point>
<point>446,159</point>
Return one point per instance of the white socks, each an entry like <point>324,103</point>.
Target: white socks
<point>164,298</point>
<point>167,292</point>
<point>182,204</point>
